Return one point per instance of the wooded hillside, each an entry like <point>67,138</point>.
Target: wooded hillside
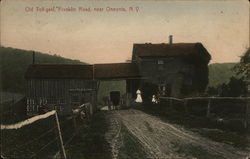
<point>14,62</point>
<point>220,73</point>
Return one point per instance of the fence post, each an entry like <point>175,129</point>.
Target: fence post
<point>61,147</point>
<point>74,124</point>
<point>247,117</point>
<point>208,108</point>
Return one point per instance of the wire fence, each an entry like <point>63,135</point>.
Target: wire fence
<point>41,136</point>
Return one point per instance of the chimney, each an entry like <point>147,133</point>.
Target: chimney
<point>33,58</point>
<point>170,39</point>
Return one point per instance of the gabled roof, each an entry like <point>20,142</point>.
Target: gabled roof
<point>59,71</point>
<point>100,71</point>
<point>170,50</point>
<point>116,70</point>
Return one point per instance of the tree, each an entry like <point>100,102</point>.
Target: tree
<point>244,66</point>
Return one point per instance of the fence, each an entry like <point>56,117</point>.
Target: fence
<point>47,139</point>
<point>185,101</point>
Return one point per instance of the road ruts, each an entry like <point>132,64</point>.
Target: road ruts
<point>113,135</point>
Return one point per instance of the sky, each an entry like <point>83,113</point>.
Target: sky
<point>106,36</point>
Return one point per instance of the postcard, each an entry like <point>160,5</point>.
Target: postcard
<point>125,79</point>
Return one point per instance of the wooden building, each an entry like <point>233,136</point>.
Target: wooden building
<point>117,71</point>
<point>177,69</point>
<point>60,87</point>
<point>65,87</point>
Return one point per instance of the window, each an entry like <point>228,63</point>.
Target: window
<point>160,62</point>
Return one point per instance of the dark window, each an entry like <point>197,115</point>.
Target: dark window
<point>160,62</point>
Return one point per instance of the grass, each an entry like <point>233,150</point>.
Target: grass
<point>23,143</point>
<point>28,140</point>
<point>195,151</point>
<point>90,143</point>
<point>228,137</point>
<point>230,133</point>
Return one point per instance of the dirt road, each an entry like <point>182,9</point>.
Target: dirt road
<point>163,140</point>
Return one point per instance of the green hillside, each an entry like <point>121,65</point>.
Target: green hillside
<point>14,62</point>
<point>220,73</point>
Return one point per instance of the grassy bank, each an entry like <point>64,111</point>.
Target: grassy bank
<point>90,142</point>
<point>231,132</point>
<point>37,140</point>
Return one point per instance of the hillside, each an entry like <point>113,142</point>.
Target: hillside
<point>14,63</point>
<point>220,73</point>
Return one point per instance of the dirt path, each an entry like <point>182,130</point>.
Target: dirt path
<point>163,140</point>
<point>113,135</point>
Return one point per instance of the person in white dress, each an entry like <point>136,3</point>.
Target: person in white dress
<point>138,98</point>
<point>154,100</point>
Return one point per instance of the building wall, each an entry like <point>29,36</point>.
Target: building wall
<point>105,87</point>
<point>172,74</point>
<point>60,94</point>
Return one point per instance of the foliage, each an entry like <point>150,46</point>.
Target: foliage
<point>244,66</point>
<point>220,73</point>
<point>14,62</point>
<point>234,88</point>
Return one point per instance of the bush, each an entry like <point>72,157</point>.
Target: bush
<point>236,87</point>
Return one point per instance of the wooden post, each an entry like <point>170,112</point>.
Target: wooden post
<point>208,107</point>
<point>61,147</point>
<point>247,116</point>
<point>74,124</point>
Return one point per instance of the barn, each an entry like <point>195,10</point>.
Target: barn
<point>59,87</point>
<point>65,87</point>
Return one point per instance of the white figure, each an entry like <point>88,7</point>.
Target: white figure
<point>154,99</point>
<point>138,98</point>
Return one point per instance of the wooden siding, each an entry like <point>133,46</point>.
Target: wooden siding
<point>57,93</point>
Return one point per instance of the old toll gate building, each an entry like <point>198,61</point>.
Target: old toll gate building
<point>178,69</point>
